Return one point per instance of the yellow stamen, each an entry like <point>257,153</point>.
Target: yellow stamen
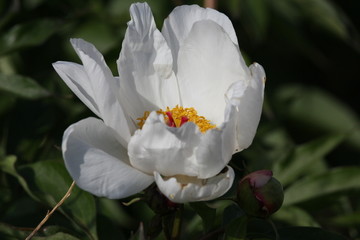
<point>143,119</point>
<point>179,115</point>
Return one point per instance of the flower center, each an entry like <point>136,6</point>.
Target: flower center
<point>177,116</point>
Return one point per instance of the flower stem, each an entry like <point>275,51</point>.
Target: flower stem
<point>176,226</point>
<point>274,228</point>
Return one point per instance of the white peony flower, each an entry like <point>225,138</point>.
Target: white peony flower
<point>184,103</point>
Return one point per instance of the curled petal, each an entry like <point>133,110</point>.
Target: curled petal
<point>181,151</point>
<point>245,100</point>
<point>76,79</point>
<point>170,151</point>
<point>181,189</point>
<point>98,163</point>
<point>215,149</point>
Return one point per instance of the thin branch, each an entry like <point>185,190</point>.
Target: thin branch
<point>210,4</point>
<point>67,194</point>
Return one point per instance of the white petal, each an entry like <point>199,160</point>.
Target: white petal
<point>77,80</point>
<point>209,62</point>
<point>177,26</point>
<point>215,149</point>
<point>180,191</point>
<point>98,163</point>
<point>247,100</point>
<point>259,77</point>
<point>103,84</point>
<point>170,151</point>
<point>145,66</point>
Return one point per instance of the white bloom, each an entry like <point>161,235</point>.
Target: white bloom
<point>194,62</point>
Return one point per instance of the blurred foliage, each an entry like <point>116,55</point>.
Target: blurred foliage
<point>309,134</point>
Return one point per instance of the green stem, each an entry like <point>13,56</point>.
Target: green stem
<point>274,228</point>
<point>175,232</point>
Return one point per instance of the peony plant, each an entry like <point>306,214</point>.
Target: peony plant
<point>183,104</point>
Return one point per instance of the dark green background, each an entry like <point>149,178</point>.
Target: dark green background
<point>309,134</point>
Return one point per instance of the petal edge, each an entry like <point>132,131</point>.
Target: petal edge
<point>211,188</point>
<point>98,163</point>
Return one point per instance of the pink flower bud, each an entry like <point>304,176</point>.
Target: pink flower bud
<point>259,194</point>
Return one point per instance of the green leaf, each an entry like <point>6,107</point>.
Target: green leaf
<point>8,165</point>
<point>231,213</point>
<point>49,181</point>
<point>286,10</point>
<point>346,220</point>
<point>112,219</point>
<point>336,180</point>
<point>206,213</point>
<point>50,230</point>
<point>315,111</point>
<point>308,233</point>
<point>324,14</point>
<point>57,236</point>
<point>297,163</point>
<point>31,4</point>
<point>26,35</point>
<point>236,229</point>
<point>115,212</point>
<point>295,216</point>
<point>22,86</point>
<point>8,232</point>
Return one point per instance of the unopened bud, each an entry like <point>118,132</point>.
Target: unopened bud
<point>259,194</point>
